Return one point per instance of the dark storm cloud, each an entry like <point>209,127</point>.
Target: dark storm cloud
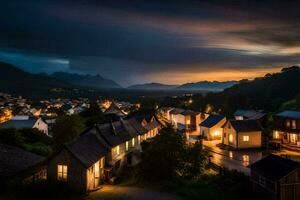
<point>150,37</point>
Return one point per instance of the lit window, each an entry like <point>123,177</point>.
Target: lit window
<point>230,138</point>
<point>62,172</point>
<point>245,138</point>
<point>139,139</point>
<point>132,141</point>
<point>126,144</point>
<point>288,124</point>
<point>276,135</point>
<point>217,133</point>
<point>293,124</point>
<point>188,122</point>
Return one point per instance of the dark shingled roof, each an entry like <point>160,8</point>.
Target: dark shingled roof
<point>88,148</point>
<point>14,160</point>
<point>152,125</point>
<point>245,125</point>
<point>250,114</point>
<point>212,120</point>
<point>274,167</point>
<point>289,114</point>
<point>114,109</point>
<point>137,125</point>
<point>117,132</point>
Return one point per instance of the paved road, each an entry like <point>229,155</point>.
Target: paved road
<point>116,192</point>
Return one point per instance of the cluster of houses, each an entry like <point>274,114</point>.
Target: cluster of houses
<point>274,176</point>
<point>243,131</point>
<point>86,162</point>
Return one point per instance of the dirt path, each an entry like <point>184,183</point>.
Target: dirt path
<point>116,192</point>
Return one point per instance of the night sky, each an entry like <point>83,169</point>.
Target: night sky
<point>152,41</point>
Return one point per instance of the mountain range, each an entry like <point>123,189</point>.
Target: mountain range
<point>214,86</point>
<point>89,81</point>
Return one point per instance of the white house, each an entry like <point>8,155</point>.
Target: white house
<point>242,134</point>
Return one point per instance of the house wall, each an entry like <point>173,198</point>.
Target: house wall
<point>76,176</point>
<point>178,119</point>
<point>41,125</point>
<point>92,181</point>
<point>254,140</point>
<point>268,189</point>
<point>204,131</point>
<point>290,187</point>
<point>227,131</point>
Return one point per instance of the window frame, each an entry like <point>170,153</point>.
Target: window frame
<point>62,172</point>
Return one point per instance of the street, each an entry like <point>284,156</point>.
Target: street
<point>233,160</point>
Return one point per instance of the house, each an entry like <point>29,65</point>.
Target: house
<point>276,177</point>
<point>80,163</point>
<point>20,122</point>
<point>165,111</point>
<point>115,109</point>
<point>241,134</point>
<point>186,120</point>
<point>98,154</point>
<point>212,127</point>
<point>122,139</point>
<point>150,123</point>
<point>20,167</point>
<point>249,114</point>
<point>287,128</point>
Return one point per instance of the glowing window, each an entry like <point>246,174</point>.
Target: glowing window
<point>132,141</point>
<point>294,124</point>
<point>126,144</point>
<point>230,138</point>
<point>139,139</point>
<point>245,138</point>
<point>276,135</point>
<point>62,172</point>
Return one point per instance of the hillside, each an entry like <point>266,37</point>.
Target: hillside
<point>89,81</point>
<point>207,85</point>
<point>267,93</point>
<point>152,86</point>
<point>14,80</point>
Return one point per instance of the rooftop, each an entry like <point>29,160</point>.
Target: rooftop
<point>14,160</point>
<point>88,148</point>
<point>290,114</point>
<point>274,167</point>
<point>245,125</point>
<point>212,120</point>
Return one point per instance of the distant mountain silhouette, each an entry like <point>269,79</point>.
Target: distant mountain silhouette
<point>207,85</point>
<point>13,79</point>
<point>89,81</point>
<point>203,85</point>
<point>152,86</point>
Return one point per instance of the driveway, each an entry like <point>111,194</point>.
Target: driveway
<point>115,192</point>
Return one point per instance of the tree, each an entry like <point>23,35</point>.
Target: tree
<point>194,161</point>
<point>161,158</point>
<point>168,157</point>
<point>67,128</point>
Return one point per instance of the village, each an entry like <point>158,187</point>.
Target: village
<point>103,150</point>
